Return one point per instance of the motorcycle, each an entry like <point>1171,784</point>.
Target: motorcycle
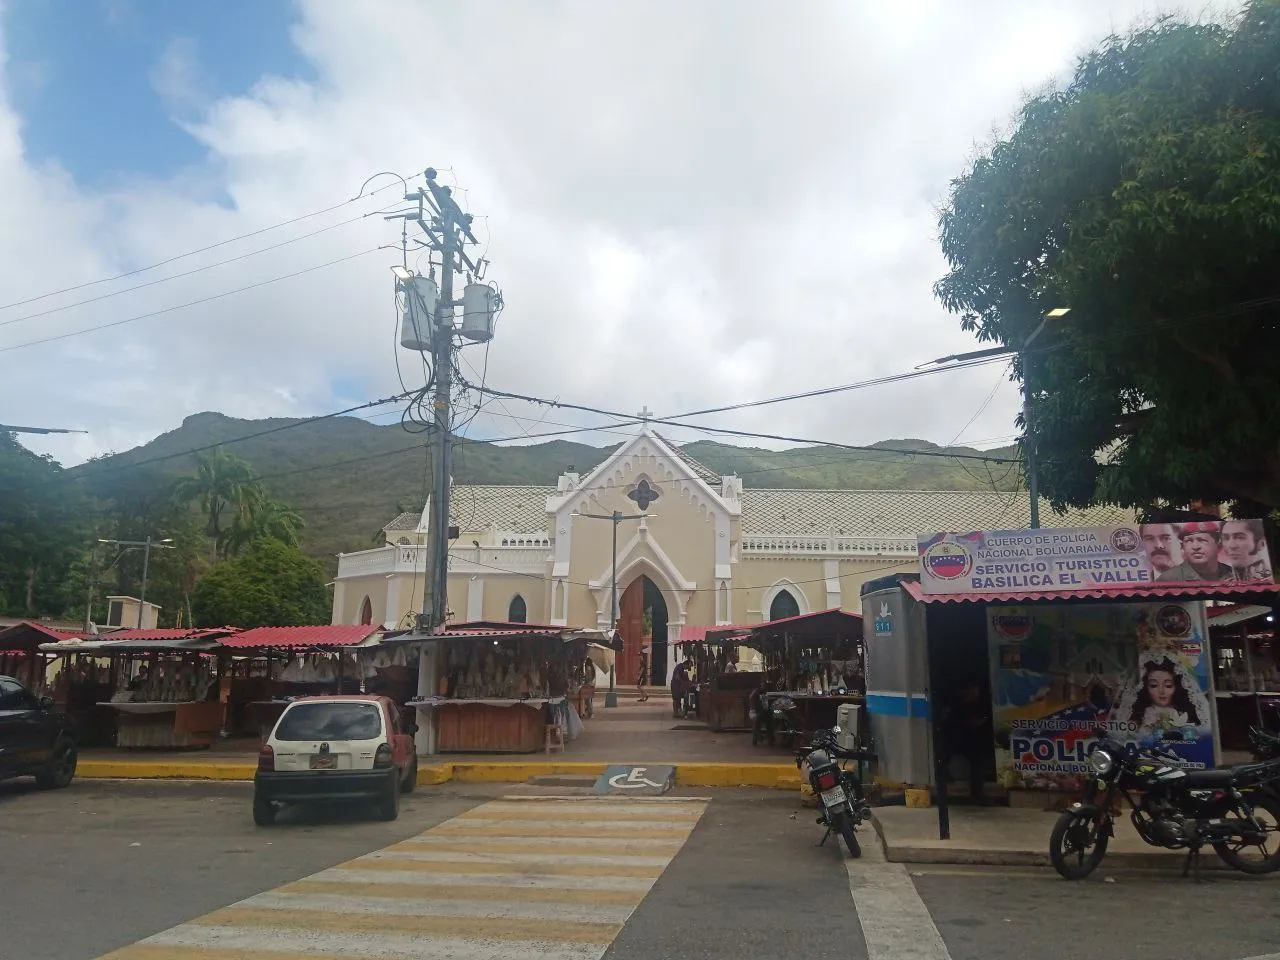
<point>1176,809</point>
<point>841,804</point>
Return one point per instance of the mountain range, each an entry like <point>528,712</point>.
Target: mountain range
<point>348,477</point>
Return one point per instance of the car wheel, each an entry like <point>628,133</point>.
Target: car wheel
<point>389,805</point>
<point>61,768</point>
<point>410,776</point>
<point>264,811</point>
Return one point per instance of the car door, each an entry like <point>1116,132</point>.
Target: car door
<point>401,743</point>
<point>20,728</point>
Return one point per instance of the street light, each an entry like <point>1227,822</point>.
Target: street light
<point>1029,445</point>
<point>611,698</point>
<point>147,544</point>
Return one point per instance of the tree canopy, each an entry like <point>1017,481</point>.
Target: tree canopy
<point>1144,196</point>
<point>271,585</point>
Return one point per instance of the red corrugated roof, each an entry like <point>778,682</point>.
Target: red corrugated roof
<point>320,635</point>
<point>1152,591</point>
<point>696,633</point>
<point>501,626</point>
<point>170,633</point>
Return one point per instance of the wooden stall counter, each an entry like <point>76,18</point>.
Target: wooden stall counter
<point>172,726</point>
<point>725,702</point>
<point>488,725</point>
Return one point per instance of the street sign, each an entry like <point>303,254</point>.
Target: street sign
<point>636,781</point>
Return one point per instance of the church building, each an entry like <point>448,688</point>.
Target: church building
<point>695,550</point>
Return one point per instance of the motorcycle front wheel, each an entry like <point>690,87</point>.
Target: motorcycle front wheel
<point>844,826</point>
<point>1078,844</point>
<point>1261,858</point>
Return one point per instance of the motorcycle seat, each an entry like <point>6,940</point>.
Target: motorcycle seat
<point>1210,778</point>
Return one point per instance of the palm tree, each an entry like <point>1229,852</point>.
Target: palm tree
<point>269,518</point>
<point>227,492</point>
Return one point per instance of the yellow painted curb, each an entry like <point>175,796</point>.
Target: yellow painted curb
<point>163,770</point>
<point>774,775</point>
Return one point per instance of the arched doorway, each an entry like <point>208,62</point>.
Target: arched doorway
<point>366,612</point>
<point>784,606</point>
<point>642,597</point>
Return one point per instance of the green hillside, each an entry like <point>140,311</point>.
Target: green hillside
<point>348,477</point>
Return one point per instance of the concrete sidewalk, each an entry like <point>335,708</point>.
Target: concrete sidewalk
<point>1010,836</point>
<point>631,733</point>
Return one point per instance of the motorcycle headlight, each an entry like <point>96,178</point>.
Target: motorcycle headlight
<point>1102,761</point>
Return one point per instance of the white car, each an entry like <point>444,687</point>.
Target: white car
<point>337,748</point>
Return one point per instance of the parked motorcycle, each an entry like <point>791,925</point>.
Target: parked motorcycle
<point>1175,808</point>
<point>841,804</point>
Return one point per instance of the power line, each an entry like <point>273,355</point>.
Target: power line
<point>192,253</point>
<point>672,422</point>
<point>291,425</point>
<point>189,303</point>
<point>185,273</point>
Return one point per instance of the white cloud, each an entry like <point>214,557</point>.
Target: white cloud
<point>685,204</point>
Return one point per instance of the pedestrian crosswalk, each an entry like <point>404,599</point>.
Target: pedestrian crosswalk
<point>517,877</point>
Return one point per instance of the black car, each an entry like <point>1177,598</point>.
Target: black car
<point>35,739</point>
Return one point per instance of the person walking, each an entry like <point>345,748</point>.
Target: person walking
<point>642,674</point>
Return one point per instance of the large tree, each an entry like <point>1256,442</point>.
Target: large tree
<point>46,525</point>
<point>272,584</point>
<point>227,493</point>
<point>1145,196</point>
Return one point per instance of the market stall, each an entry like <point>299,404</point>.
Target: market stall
<point>722,689</point>
<point>813,660</point>
<point>501,688</point>
<point>266,668</point>
<point>160,687</point>
<point>20,654</point>
<point>1010,648</point>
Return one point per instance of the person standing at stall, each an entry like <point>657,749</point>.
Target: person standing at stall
<point>679,684</point>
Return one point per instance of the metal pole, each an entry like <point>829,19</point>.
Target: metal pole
<point>611,698</point>
<point>146,563</point>
<point>1029,445</point>
<point>88,600</point>
<point>437,579</point>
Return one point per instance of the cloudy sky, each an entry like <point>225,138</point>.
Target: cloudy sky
<point>685,204</point>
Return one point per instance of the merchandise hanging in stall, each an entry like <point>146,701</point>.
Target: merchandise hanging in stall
<point>503,688</point>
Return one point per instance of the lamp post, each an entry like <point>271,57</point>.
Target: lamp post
<point>1029,445</point>
<point>146,545</point>
<point>611,698</point>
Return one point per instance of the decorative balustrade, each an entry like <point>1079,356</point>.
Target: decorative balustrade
<point>823,546</point>
<point>383,561</point>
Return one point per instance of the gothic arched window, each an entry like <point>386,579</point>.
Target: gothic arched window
<point>518,611</point>
<point>784,605</point>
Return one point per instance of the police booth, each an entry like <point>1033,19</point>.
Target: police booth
<point>1008,649</point>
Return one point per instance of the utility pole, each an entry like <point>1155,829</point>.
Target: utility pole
<point>145,545</point>
<point>611,698</point>
<point>429,328</point>
<point>1029,433</point>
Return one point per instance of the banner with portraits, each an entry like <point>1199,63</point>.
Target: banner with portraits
<point>1092,558</point>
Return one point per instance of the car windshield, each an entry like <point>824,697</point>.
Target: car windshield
<point>330,721</point>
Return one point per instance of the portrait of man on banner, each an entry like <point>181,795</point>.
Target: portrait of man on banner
<point>1219,551</point>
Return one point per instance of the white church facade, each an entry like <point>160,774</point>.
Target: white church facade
<point>702,551</point>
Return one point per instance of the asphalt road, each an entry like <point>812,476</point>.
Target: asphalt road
<point>104,864</point>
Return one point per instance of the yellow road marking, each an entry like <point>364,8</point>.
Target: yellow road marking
<point>482,928</point>
<point>550,868</point>
<point>537,830</point>
<point>561,849</point>
<point>462,891</point>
